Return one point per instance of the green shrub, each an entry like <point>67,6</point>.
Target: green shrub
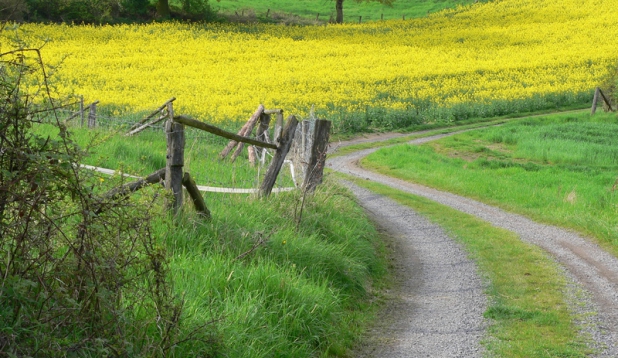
<point>81,273</point>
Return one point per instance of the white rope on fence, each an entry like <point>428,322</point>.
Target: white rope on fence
<point>210,189</point>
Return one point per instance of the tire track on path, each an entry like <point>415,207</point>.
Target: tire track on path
<point>589,266</point>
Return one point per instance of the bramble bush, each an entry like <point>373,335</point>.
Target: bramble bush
<point>80,272</point>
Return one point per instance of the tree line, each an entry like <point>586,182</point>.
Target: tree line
<point>114,11</point>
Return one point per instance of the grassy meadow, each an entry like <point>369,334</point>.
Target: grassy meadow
<point>370,11</point>
<point>560,169</point>
<point>479,61</point>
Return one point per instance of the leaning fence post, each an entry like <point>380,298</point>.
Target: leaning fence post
<point>175,161</point>
<point>196,196</point>
<point>92,115</point>
<point>279,157</point>
<point>278,127</point>
<point>595,99</point>
<point>317,158</point>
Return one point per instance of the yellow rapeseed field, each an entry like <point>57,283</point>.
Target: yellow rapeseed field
<point>509,49</point>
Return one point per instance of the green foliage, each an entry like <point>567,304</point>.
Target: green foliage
<point>197,9</point>
<point>12,10</point>
<point>78,11</point>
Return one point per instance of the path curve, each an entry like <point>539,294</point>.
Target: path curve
<point>584,262</point>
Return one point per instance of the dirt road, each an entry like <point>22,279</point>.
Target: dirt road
<point>416,324</point>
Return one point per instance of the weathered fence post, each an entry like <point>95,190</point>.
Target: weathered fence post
<point>262,135</point>
<point>81,110</point>
<point>175,161</point>
<point>317,17</point>
<point>277,161</point>
<point>595,99</point>
<point>242,131</point>
<point>317,157</point>
<point>92,115</point>
<point>360,19</point>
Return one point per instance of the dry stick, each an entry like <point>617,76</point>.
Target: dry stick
<point>146,125</point>
<point>260,242</point>
<point>80,112</point>
<point>242,131</point>
<point>158,110</point>
<point>196,196</point>
<point>220,132</point>
<point>279,157</point>
<point>129,188</point>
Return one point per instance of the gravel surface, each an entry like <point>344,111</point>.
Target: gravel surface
<point>435,308</point>
<point>593,273</point>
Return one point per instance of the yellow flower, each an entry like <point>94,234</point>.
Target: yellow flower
<point>499,50</point>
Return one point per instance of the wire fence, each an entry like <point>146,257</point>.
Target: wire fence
<point>221,181</point>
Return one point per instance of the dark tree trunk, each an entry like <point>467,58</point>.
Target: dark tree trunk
<point>163,8</point>
<point>339,7</point>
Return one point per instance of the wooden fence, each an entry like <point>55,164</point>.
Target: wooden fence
<point>311,142</point>
<point>607,104</point>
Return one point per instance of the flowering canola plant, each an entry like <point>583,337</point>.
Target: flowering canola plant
<point>500,50</point>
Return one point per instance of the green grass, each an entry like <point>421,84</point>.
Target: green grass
<point>527,309</point>
<point>145,153</point>
<point>427,131</point>
<point>371,11</point>
<point>260,279</point>
<point>560,169</point>
<point>300,293</point>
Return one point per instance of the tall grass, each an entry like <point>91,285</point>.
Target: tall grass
<point>560,169</point>
<point>274,291</point>
<point>258,280</point>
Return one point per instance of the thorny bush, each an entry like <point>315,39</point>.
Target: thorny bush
<point>80,272</point>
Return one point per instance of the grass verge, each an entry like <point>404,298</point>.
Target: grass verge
<point>560,169</point>
<point>276,288</point>
<point>528,310</point>
<point>435,129</point>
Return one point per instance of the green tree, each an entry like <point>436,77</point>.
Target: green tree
<point>339,7</point>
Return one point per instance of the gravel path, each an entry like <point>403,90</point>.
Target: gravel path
<point>435,308</point>
<point>589,268</point>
